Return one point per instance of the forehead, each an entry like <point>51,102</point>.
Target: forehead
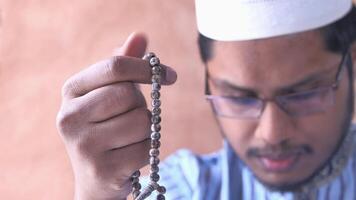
<point>271,63</point>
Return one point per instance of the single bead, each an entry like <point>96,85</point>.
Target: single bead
<point>135,193</point>
<point>155,144</point>
<point>154,152</point>
<point>156,70</point>
<point>161,190</point>
<point>136,174</point>
<point>155,135</point>
<point>153,184</point>
<point>156,103</point>
<point>134,180</point>
<point>149,55</point>
<point>154,61</point>
<point>156,79</point>
<point>155,127</point>
<point>136,186</point>
<point>155,119</point>
<point>156,111</point>
<point>161,197</point>
<point>154,161</point>
<point>154,169</point>
<point>156,86</point>
<point>147,191</point>
<point>155,94</point>
<point>154,177</point>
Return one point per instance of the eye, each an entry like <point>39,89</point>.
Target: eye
<point>243,101</point>
<point>303,96</point>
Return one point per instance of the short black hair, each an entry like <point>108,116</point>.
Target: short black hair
<point>337,36</point>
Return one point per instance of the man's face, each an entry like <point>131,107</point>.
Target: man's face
<point>281,149</point>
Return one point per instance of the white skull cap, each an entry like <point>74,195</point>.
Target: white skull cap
<point>233,20</point>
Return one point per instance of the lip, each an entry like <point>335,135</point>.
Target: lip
<point>279,164</point>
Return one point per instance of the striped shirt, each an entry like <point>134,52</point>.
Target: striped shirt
<point>222,175</point>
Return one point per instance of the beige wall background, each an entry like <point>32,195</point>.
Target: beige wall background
<point>44,42</point>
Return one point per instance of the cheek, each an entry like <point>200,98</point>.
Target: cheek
<point>239,133</point>
<point>325,129</point>
<point>322,134</point>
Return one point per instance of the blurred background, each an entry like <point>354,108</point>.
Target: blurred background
<point>44,42</point>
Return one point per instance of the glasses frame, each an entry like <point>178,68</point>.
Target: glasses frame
<point>346,61</point>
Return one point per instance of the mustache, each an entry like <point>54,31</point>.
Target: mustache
<point>278,151</point>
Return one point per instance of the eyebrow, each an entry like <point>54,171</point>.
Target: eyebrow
<point>308,80</point>
<point>224,83</point>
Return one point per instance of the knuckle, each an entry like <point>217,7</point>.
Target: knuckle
<point>69,119</point>
<point>70,86</point>
<point>125,95</point>
<point>61,121</point>
<point>115,67</point>
<point>113,100</point>
<point>64,122</point>
<point>126,90</point>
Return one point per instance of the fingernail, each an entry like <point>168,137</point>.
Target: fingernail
<point>171,75</point>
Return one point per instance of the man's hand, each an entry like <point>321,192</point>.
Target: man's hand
<point>105,123</point>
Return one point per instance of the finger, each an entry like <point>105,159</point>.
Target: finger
<point>120,131</point>
<point>113,169</point>
<point>124,161</point>
<point>111,100</point>
<point>116,69</point>
<point>134,46</point>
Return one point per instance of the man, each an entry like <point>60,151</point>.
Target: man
<point>280,82</point>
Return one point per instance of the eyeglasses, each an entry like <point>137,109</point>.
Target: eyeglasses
<point>295,104</point>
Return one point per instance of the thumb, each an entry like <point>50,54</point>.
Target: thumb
<point>134,46</point>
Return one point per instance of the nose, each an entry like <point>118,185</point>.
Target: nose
<point>274,125</point>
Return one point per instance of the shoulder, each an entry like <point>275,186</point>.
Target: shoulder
<point>182,172</point>
<point>185,158</point>
<point>188,164</point>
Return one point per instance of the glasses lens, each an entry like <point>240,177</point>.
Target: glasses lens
<point>309,102</point>
<point>240,107</point>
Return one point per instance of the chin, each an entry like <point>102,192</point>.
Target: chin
<point>281,185</point>
<point>289,179</point>
<point>283,182</point>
